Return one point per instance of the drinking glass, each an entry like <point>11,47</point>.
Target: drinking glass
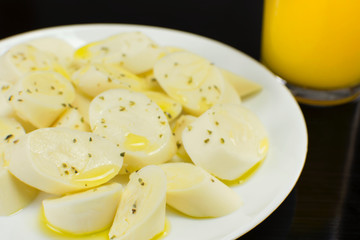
<point>314,47</point>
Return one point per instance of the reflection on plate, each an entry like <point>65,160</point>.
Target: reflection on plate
<point>275,106</point>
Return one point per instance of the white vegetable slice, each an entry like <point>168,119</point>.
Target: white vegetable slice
<point>60,48</point>
<point>227,140</point>
<point>243,86</point>
<point>193,81</point>
<point>181,123</point>
<point>14,194</point>
<point>96,78</point>
<point>134,122</point>
<point>72,118</point>
<point>40,97</point>
<point>133,50</point>
<point>150,82</point>
<point>170,107</point>
<point>84,212</point>
<point>6,109</point>
<point>62,160</point>
<point>141,212</point>
<point>195,192</point>
<point>82,103</point>
<point>24,58</point>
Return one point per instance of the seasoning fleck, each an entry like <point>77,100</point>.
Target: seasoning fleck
<point>7,138</point>
<point>141,181</point>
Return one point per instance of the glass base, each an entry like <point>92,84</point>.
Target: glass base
<point>322,97</point>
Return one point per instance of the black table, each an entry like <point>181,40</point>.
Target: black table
<point>325,202</point>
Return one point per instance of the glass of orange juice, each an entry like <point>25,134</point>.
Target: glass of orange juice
<point>314,46</point>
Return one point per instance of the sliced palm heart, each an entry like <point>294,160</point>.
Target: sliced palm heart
<point>170,107</point>
<point>133,50</point>
<point>96,78</point>
<point>40,97</point>
<point>141,211</point>
<point>180,124</point>
<point>134,122</point>
<point>6,109</point>
<point>84,212</point>
<point>227,140</point>
<point>195,192</point>
<point>150,82</point>
<point>63,160</point>
<point>193,81</point>
<point>73,119</point>
<point>25,58</point>
<point>15,194</point>
<point>60,48</point>
<point>243,86</point>
<point>82,103</point>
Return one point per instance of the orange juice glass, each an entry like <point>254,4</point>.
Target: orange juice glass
<point>314,46</point>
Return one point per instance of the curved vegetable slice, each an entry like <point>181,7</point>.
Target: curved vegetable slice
<point>62,160</point>
<point>180,124</point>
<point>15,194</point>
<point>25,58</point>
<point>82,103</point>
<point>72,118</point>
<point>61,49</point>
<point>95,78</point>
<point>134,122</point>
<point>133,50</point>
<point>227,140</point>
<point>242,86</point>
<point>84,212</point>
<point>193,191</point>
<point>6,109</point>
<point>141,212</point>
<point>193,81</point>
<point>170,107</point>
<point>40,97</point>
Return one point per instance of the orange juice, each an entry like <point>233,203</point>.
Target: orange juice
<point>313,43</point>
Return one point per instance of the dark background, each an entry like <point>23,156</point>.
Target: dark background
<point>237,23</point>
<point>325,202</point>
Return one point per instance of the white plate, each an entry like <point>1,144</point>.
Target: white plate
<point>275,106</point>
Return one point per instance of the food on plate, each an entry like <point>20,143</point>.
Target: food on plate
<point>62,160</point>
<point>25,58</point>
<point>133,121</point>
<point>195,192</point>
<point>243,87</point>
<point>165,123</point>
<point>6,109</point>
<point>178,127</point>
<point>83,212</point>
<point>72,118</point>
<point>93,79</point>
<point>62,51</point>
<point>15,195</point>
<point>82,103</point>
<point>227,140</point>
<point>141,211</point>
<point>133,50</point>
<point>169,106</point>
<point>41,92</point>
<point>193,81</point>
